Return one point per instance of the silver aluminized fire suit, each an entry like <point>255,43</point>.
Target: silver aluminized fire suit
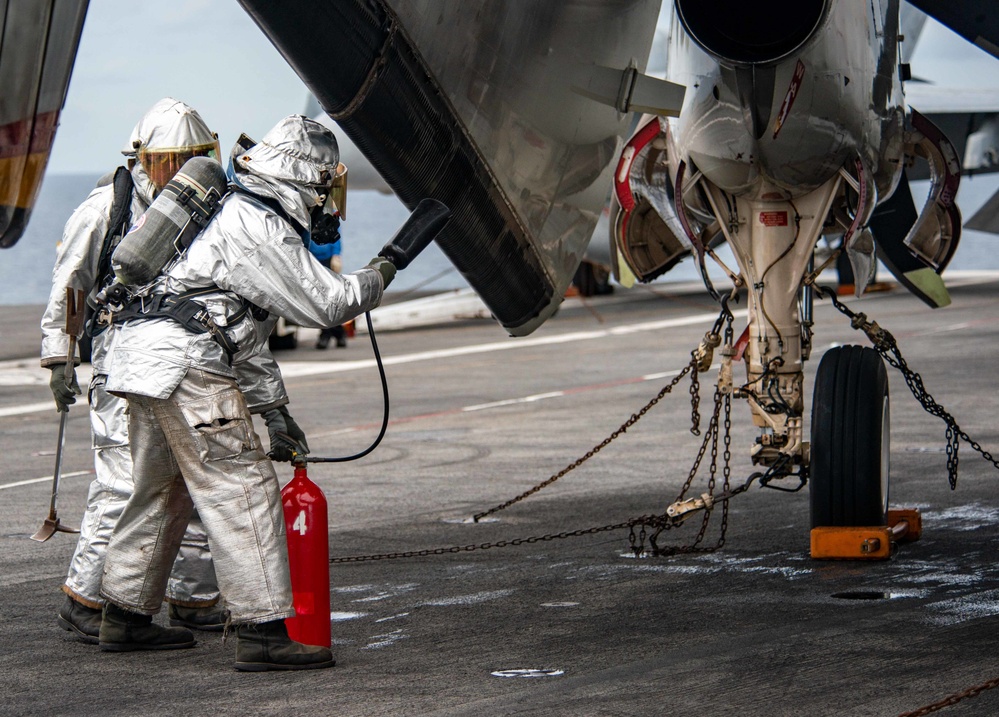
<point>192,438</point>
<point>168,126</point>
<point>192,582</point>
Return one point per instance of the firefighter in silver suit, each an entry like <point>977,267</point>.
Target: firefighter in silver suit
<point>166,136</point>
<point>193,442</point>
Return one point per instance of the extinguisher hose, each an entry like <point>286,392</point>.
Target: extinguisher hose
<point>385,415</point>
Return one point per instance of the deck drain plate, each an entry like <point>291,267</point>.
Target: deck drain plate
<point>862,595</point>
<point>528,673</point>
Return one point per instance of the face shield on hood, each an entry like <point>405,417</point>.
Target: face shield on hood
<point>168,135</point>
<point>295,163</point>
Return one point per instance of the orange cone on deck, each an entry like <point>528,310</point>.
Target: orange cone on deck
<point>307,528</point>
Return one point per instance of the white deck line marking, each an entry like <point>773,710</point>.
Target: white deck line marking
<point>514,401</point>
<point>301,369</point>
<point>46,479</point>
<point>27,408</point>
<point>297,369</point>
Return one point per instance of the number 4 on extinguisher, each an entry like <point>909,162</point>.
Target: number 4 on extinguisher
<point>299,523</point>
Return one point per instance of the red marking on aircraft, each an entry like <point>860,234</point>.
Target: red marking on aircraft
<point>792,94</point>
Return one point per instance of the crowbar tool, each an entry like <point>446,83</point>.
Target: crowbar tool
<point>74,324</point>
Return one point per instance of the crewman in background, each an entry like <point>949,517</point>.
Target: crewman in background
<point>329,254</point>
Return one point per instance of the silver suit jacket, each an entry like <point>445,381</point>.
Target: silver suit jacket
<point>248,252</point>
<point>76,265</point>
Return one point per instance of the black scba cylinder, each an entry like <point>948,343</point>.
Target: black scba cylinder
<point>171,223</point>
<point>751,31</point>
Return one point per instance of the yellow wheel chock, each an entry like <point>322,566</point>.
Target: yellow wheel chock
<point>867,543</point>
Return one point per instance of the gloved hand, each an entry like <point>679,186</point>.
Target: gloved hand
<point>285,435</point>
<point>384,267</point>
<point>64,395</point>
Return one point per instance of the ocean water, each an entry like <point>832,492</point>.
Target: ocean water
<point>26,268</point>
<point>372,219</point>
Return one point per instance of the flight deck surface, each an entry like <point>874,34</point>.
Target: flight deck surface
<point>571,626</point>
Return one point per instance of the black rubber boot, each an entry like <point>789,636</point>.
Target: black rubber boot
<point>124,631</point>
<point>266,646</point>
<point>211,618</point>
<point>84,621</point>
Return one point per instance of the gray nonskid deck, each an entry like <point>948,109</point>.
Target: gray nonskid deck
<point>753,629</point>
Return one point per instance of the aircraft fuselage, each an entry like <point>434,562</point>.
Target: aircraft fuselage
<point>790,124</point>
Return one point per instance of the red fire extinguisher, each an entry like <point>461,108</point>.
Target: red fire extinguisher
<point>307,529</point>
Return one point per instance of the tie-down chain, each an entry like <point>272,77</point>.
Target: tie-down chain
<point>650,527</point>
<point>885,344</point>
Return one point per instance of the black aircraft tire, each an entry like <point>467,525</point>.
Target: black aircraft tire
<point>848,476</point>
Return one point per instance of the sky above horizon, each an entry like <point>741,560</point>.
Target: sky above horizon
<point>211,55</point>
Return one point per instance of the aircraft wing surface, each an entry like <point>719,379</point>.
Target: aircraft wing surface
<point>974,20</point>
<point>970,119</point>
<point>38,42</point>
<point>473,104</point>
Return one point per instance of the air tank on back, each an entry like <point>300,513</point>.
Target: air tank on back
<point>171,222</point>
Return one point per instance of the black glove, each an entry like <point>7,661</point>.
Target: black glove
<point>64,395</point>
<point>285,435</point>
<point>384,267</point>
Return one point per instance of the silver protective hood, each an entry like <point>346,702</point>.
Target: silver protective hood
<point>144,187</point>
<point>169,124</point>
<point>294,163</point>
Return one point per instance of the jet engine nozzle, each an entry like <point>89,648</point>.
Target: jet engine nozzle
<point>741,32</point>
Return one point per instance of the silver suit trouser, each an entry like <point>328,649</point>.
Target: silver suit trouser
<point>192,582</point>
<point>198,448</point>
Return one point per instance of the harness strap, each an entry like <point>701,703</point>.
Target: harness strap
<point>190,314</point>
<point>119,220</point>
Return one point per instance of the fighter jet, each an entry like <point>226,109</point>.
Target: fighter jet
<point>780,129</point>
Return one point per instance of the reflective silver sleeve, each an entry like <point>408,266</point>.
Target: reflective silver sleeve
<point>259,377</point>
<point>75,267</point>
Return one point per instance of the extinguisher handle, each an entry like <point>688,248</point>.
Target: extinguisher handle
<point>300,449</point>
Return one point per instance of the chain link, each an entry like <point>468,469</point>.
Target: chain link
<point>657,523</point>
<point>886,345</point>
<point>953,699</point>
<point>695,397</point>
<point>635,418</point>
